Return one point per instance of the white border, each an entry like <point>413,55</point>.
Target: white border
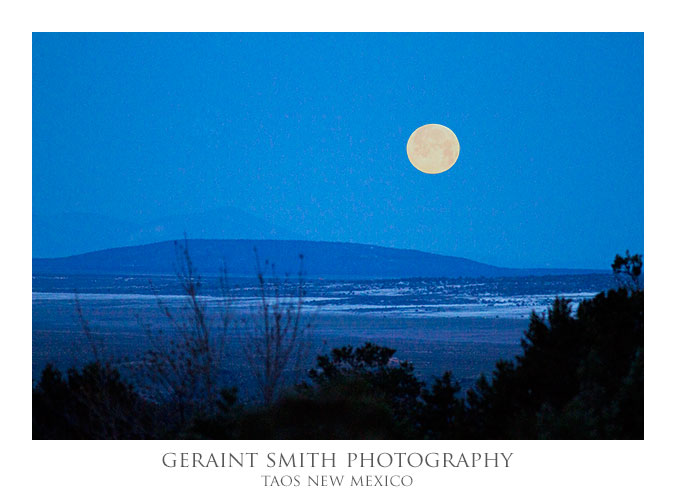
<point>134,468</point>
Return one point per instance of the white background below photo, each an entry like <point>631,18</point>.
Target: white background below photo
<point>537,468</point>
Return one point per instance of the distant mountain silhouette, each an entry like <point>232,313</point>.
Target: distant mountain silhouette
<point>64,234</point>
<point>320,259</point>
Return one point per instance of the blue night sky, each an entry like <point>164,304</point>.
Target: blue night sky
<point>308,132</point>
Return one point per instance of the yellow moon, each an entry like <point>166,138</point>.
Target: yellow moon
<point>433,148</point>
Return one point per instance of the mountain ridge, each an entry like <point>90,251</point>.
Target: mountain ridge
<point>320,259</point>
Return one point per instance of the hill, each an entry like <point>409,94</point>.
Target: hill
<point>320,259</point>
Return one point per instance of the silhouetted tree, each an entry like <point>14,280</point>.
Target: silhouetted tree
<point>627,270</point>
<point>443,412</point>
<point>579,377</point>
<point>372,369</point>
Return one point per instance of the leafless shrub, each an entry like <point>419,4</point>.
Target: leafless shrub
<point>92,341</point>
<point>102,405</point>
<point>186,356</point>
<point>183,362</point>
<point>277,342</point>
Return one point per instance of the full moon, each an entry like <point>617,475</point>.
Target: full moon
<point>433,149</point>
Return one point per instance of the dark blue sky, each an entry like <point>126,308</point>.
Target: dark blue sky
<point>309,131</point>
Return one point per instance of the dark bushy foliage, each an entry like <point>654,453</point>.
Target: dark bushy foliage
<point>347,410</point>
<point>352,393</point>
<point>360,393</point>
<point>371,369</point>
<point>94,403</point>
<point>443,412</point>
<point>578,377</point>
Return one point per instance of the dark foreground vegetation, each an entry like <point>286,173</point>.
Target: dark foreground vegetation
<point>579,376</point>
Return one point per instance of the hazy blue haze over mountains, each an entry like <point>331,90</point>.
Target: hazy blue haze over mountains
<point>67,234</point>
